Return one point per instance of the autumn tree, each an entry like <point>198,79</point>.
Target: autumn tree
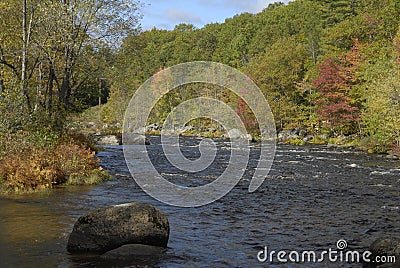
<point>335,105</point>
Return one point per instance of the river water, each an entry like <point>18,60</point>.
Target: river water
<point>313,197</point>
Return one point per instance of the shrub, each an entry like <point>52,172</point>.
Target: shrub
<point>27,164</point>
<point>395,149</point>
<point>295,142</point>
<point>373,144</point>
<point>318,140</point>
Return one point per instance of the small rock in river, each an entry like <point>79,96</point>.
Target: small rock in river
<point>385,247</point>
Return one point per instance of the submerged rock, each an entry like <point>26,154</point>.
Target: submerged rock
<point>133,252</point>
<point>385,247</point>
<point>108,228</point>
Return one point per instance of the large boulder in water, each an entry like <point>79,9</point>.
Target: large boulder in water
<point>108,228</point>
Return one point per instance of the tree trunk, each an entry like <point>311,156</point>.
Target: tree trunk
<point>65,91</point>
<point>49,93</point>
<point>24,63</point>
<point>2,86</point>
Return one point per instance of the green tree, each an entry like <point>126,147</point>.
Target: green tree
<point>277,72</point>
<point>49,55</point>
<point>381,114</point>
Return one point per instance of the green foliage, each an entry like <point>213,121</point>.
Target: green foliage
<point>53,54</point>
<point>374,144</point>
<point>337,141</point>
<point>318,140</point>
<point>70,65</point>
<point>281,49</point>
<point>381,116</point>
<point>296,142</point>
<point>277,72</point>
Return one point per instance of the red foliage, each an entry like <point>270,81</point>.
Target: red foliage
<point>246,115</point>
<point>335,105</point>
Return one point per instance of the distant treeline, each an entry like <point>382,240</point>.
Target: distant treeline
<point>326,66</point>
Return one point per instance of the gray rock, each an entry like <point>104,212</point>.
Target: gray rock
<point>325,136</point>
<point>308,138</point>
<point>235,134</point>
<point>108,228</point>
<point>249,137</point>
<point>91,124</point>
<point>153,127</point>
<point>133,252</point>
<point>185,129</point>
<point>385,247</point>
<point>291,134</point>
<point>108,140</point>
<point>135,139</point>
<point>392,156</point>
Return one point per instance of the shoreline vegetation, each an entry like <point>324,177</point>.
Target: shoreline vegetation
<point>37,161</point>
<point>90,125</point>
<point>53,59</point>
<point>296,137</point>
<point>329,69</point>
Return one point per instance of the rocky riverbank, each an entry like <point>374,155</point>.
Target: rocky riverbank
<point>105,134</point>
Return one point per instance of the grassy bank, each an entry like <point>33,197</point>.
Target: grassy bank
<point>365,144</point>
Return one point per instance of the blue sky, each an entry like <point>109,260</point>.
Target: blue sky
<point>165,14</point>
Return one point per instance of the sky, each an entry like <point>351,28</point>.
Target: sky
<point>165,14</point>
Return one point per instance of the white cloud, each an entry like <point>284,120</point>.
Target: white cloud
<point>251,6</point>
<point>165,14</point>
<point>180,15</point>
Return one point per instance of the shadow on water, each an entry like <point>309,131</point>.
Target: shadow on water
<point>312,197</point>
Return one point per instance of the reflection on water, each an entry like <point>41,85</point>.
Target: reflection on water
<point>34,228</point>
<point>312,197</point>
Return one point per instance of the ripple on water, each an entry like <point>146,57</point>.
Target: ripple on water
<point>312,197</point>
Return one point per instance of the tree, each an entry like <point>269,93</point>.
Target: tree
<point>335,105</point>
<point>336,11</point>
<point>53,62</point>
<point>276,72</point>
<point>381,115</point>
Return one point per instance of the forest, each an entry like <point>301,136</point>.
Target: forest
<point>330,68</point>
<point>327,67</point>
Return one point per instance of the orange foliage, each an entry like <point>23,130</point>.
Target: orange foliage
<point>44,167</point>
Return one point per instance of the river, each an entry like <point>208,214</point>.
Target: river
<point>313,196</point>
